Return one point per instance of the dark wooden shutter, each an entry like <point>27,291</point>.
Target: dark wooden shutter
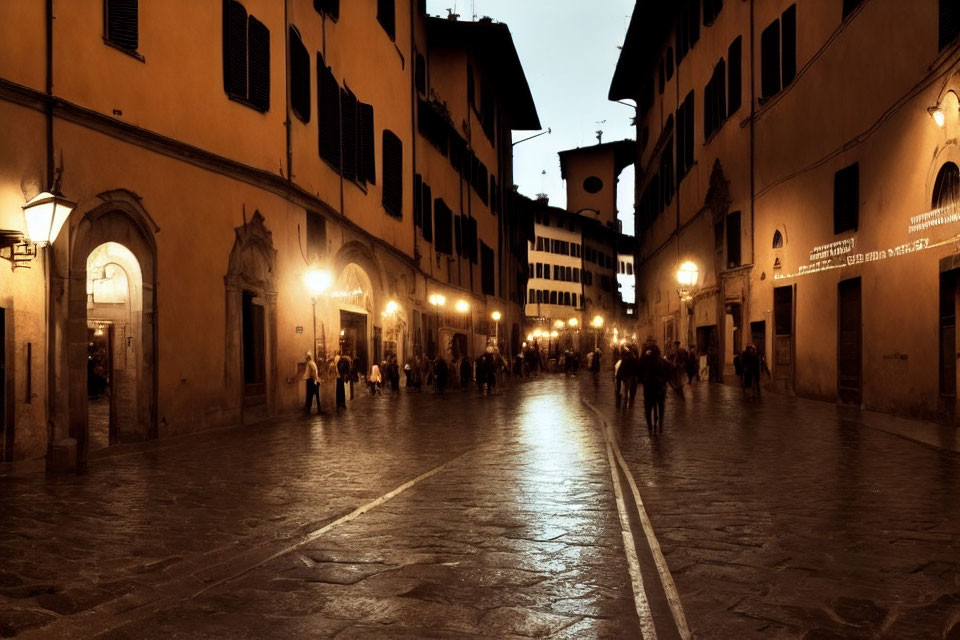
<point>949,24</point>
<point>299,77</point>
<point>386,16</point>
<point>427,206</point>
<point>420,74</point>
<point>471,240</point>
<point>259,64</point>
<point>770,60</point>
<point>734,79</point>
<point>443,227</point>
<point>392,174</point>
<point>365,129</point>
<point>471,88</point>
<point>348,134</point>
<point>681,142</point>
<point>850,5</point>
<point>235,49</point>
<point>789,43</point>
<point>458,233</point>
<point>846,199</point>
<point>418,200</point>
<point>711,9</point>
<point>733,239</point>
<point>693,17</point>
<point>328,113</point>
<point>494,196</point>
<point>122,23</point>
<point>487,270</point>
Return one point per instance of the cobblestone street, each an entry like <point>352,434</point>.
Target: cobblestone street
<point>465,516</point>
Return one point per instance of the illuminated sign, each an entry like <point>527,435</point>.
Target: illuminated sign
<point>831,262</point>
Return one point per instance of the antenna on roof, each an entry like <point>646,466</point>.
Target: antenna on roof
<point>600,132</point>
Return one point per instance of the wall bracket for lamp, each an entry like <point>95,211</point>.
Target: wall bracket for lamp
<point>15,249</point>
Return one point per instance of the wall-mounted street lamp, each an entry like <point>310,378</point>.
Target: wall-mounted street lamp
<point>496,318</point>
<point>687,277</point>
<point>597,324</point>
<point>438,301</point>
<point>45,216</point>
<point>937,114</point>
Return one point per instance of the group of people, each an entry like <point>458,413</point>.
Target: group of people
<point>644,366</point>
<point>345,369</point>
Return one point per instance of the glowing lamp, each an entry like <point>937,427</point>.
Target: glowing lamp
<point>45,215</point>
<point>437,300</point>
<point>937,114</point>
<point>529,337</point>
<point>597,321</point>
<point>573,322</point>
<point>687,274</point>
<point>462,306</point>
<point>537,333</point>
<point>317,281</point>
<point>391,307</point>
<point>554,334</point>
<point>558,324</point>
<point>496,316</point>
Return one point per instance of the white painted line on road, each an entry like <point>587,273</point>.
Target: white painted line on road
<point>356,513</point>
<point>666,579</point>
<point>633,563</point>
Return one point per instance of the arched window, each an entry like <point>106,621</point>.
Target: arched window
<point>946,190</point>
<point>777,239</point>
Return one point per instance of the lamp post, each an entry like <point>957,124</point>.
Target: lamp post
<point>437,300</point>
<point>463,307</point>
<point>318,281</point>
<point>574,325</point>
<point>597,324</point>
<point>687,277</point>
<point>496,318</point>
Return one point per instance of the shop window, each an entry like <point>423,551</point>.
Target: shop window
<point>122,23</point>
<point>777,239</point>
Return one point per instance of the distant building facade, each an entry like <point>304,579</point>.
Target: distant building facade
<point>809,173</point>
<point>219,154</point>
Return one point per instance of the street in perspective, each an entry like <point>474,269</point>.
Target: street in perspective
<point>480,319</point>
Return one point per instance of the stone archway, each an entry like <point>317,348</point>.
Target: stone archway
<point>250,361</point>
<point>118,220</point>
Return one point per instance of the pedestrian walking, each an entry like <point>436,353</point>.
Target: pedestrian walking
<point>312,377</point>
<point>466,372</point>
<point>343,374</point>
<point>441,374</point>
<point>375,380</point>
<point>693,365</point>
<point>394,371</point>
<point>626,378</point>
<point>750,365</point>
<point>653,375</point>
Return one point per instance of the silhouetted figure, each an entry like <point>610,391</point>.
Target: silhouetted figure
<point>653,375</point>
<point>441,374</point>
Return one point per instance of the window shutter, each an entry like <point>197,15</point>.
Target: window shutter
<point>367,163</point>
<point>259,64</point>
<point>850,5</point>
<point>471,88</point>
<point>488,275</point>
<point>348,134</point>
<point>235,49</point>
<point>789,44</point>
<point>681,142</point>
<point>458,234</point>
<point>386,16</point>
<point>418,200</point>
<point>846,199</point>
<point>420,74</point>
<point>694,22</point>
<point>299,77</point>
<point>330,7</point>
<point>443,227</point>
<point>770,60</point>
<point>734,78</point>
<point>427,206</point>
<point>471,239</point>
<point>328,114</point>
<point>392,174</point>
<point>949,24</point>
<point>122,23</point>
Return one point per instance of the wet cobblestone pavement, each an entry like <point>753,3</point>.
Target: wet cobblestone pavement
<point>789,518</point>
<point>223,534</point>
<point>416,516</point>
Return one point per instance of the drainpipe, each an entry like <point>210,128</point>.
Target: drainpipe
<point>286,36</point>
<point>47,258</point>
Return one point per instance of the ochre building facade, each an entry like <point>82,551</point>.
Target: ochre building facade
<point>219,153</point>
<point>803,155</point>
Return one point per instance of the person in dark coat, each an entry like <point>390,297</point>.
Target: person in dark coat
<point>653,374</point>
<point>693,365</point>
<point>466,372</point>
<point>343,374</point>
<point>627,374</point>
<point>750,367</point>
<point>441,375</point>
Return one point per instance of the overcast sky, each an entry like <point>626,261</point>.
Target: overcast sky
<point>569,49</point>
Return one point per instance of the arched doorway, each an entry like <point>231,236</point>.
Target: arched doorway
<point>353,296</point>
<point>115,241</point>
<point>114,338</point>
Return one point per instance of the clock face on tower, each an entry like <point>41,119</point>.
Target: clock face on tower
<point>593,184</point>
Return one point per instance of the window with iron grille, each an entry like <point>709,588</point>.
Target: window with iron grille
<point>246,57</point>
<point>122,23</point>
<point>299,76</point>
<point>329,7</point>
<point>386,16</point>
<point>328,113</point>
<point>392,173</point>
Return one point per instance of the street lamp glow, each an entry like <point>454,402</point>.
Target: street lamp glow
<point>437,300</point>
<point>462,306</point>
<point>496,316</point>
<point>529,337</point>
<point>554,334</point>
<point>317,281</point>
<point>537,333</point>
<point>558,324</point>
<point>45,215</point>
<point>573,322</point>
<point>597,322</point>
<point>391,307</point>
<point>687,274</point>
<point>937,114</point>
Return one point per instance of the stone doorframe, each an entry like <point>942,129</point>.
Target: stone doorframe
<point>119,217</point>
<point>252,267</point>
